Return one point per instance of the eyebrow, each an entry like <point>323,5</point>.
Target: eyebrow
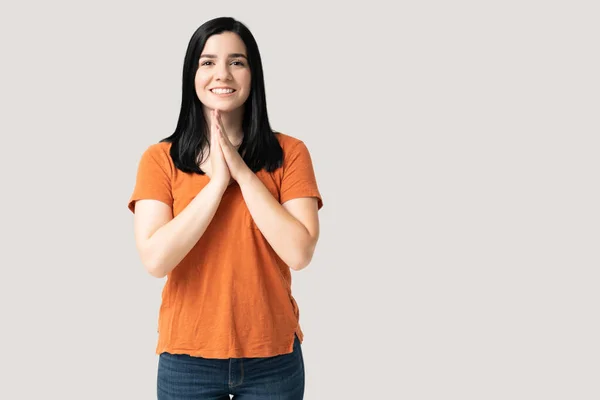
<point>232,55</point>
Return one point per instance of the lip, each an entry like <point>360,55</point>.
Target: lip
<point>222,94</point>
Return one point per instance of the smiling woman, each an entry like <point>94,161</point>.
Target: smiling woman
<point>226,208</point>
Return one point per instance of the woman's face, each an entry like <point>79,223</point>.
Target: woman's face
<point>223,65</point>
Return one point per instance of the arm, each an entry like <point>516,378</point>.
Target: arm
<point>292,229</point>
<point>163,241</point>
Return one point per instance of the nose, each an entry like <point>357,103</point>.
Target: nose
<point>222,72</point>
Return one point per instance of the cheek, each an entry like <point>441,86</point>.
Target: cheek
<point>200,81</point>
<point>247,88</point>
<point>243,79</point>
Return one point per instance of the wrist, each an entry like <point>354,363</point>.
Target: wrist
<point>217,187</point>
<point>246,177</point>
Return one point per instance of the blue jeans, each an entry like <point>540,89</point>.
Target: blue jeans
<point>183,377</point>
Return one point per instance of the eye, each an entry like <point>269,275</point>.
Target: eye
<point>205,62</point>
<point>237,62</point>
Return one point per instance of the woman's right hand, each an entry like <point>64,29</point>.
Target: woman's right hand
<point>218,165</point>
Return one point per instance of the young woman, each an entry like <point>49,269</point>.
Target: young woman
<point>224,208</point>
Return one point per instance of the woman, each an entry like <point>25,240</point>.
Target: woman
<point>224,208</point>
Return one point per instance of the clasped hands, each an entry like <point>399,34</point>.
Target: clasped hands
<point>227,164</point>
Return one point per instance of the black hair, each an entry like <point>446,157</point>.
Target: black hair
<point>260,147</point>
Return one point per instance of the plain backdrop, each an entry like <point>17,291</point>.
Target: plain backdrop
<point>456,148</point>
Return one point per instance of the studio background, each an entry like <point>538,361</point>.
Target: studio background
<point>456,148</point>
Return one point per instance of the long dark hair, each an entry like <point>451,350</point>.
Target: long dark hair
<point>259,146</point>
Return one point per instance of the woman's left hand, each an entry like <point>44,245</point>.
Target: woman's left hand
<point>237,167</point>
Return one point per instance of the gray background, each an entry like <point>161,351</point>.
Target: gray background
<point>456,148</point>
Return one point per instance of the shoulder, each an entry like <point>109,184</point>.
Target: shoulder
<point>158,154</point>
<point>289,144</point>
<point>296,155</point>
<point>159,151</point>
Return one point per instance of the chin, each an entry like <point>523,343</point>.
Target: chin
<point>226,107</point>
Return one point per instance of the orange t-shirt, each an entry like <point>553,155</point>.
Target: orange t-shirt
<point>230,296</point>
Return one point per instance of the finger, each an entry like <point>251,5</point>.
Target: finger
<point>214,123</point>
<point>213,134</point>
<point>220,123</point>
<point>225,153</point>
<point>221,137</point>
<point>224,137</point>
<point>216,117</point>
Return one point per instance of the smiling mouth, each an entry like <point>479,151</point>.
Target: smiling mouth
<point>222,91</point>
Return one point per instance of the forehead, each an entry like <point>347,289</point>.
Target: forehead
<point>223,44</point>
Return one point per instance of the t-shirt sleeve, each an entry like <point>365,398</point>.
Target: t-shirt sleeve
<point>299,176</point>
<point>153,180</point>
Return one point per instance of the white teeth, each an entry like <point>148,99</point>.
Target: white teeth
<point>222,91</point>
